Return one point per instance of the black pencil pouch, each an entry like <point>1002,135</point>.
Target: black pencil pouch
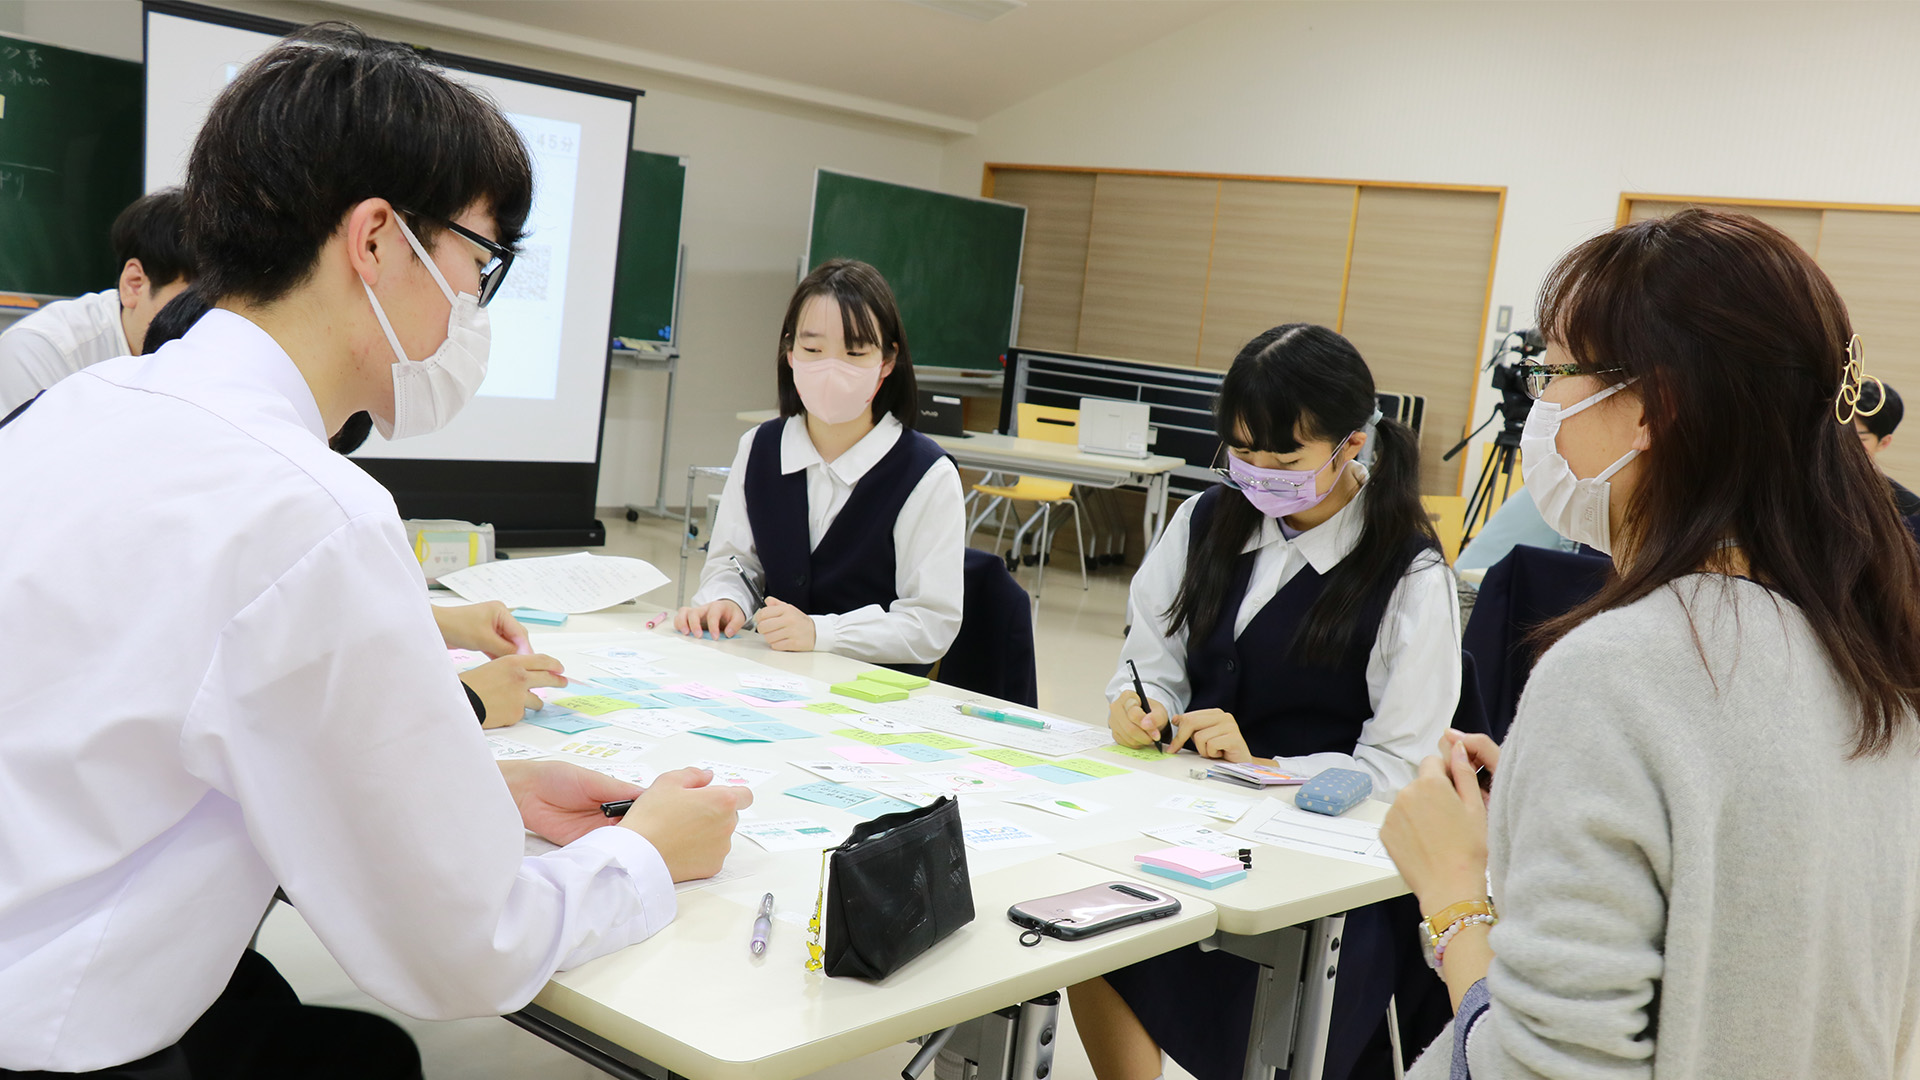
<point>896,888</point>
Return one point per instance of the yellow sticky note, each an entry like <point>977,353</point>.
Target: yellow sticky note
<point>1097,769</point>
<point>1140,753</point>
<point>594,704</point>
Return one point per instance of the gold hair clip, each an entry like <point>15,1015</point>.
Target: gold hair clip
<point>1853,380</point>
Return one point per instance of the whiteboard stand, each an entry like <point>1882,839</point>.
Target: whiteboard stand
<point>661,357</point>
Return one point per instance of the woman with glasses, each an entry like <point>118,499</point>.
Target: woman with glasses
<point>1698,857</point>
<point>1301,614</point>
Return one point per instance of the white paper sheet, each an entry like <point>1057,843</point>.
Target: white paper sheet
<point>575,584</point>
<point>1218,807</point>
<point>1062,737</point>
<point>1198,836</point>
<point>1315,834</point>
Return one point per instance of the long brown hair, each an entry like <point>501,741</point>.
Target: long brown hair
<point>1739,343</point>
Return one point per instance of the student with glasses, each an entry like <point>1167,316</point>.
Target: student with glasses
<point>234,685</point>
<point>1300,613</point>
<point>1698,856</point>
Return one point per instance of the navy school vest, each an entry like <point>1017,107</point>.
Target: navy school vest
<point>1284,707</point>
<point>855,563</point>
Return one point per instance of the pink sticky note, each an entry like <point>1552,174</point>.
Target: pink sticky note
<point>870,755</point>
<point>694,689</point>
<point>995,769</point>
<point>1196,861</point>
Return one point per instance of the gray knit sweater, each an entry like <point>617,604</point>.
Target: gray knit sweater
<point>1693,878</point>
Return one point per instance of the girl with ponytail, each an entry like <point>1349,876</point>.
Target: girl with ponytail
<point>1299,614</point>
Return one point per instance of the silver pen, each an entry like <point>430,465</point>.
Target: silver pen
<point>762,926</point>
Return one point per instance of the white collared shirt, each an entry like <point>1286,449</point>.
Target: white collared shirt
<point>929,547</point>
<point>218,674</point>
<point>56,341</point>
<point>1413,669</point>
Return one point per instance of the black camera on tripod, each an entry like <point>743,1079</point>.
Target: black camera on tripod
<point>1517,348</point>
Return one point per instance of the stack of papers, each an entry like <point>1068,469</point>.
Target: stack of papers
<point>1253,774</point>
<point>1194,866</point>
<point>575,584</point>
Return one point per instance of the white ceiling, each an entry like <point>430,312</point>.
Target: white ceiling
<point>891,51</point>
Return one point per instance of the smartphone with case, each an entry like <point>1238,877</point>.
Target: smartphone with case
<point>1096,909</point>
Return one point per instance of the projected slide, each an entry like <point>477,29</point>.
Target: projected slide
<point>527,313</point>
<point>546,375</point>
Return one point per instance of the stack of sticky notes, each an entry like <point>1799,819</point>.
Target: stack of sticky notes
<point>1195,866</point>
<point>880,685</point>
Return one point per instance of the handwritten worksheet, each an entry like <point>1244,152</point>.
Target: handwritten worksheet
<point>575,584</point>
<point>1060,738</point>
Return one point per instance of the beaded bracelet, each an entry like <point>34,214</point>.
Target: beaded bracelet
<point>1440,947</point>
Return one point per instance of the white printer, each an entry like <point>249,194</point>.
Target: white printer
<point>1116,428</point>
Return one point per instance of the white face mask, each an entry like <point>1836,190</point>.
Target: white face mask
<point>1574,508</point>
<point>428,393</point>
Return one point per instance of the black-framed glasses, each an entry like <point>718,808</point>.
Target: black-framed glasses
<point>495,270</point>
<point>1537,377</point>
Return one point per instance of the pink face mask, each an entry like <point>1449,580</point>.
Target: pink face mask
<point>1279,492</point>
<point>833,389</point>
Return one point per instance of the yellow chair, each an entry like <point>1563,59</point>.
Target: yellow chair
<point>1448,514</point>
<point>1048,424</point>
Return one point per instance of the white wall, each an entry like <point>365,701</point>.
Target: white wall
<point>749,189</point>
<point>1566,104</point>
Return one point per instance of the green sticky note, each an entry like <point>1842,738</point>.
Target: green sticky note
<point>935,739</point>
<point>890,677</point>
<point>863,690</point>
<point>1016,758</point>
<point>871,738</point>
<point>1097,769</point>
<point>831,708</point>
<point>594,704</point>
<point>1138,753</point>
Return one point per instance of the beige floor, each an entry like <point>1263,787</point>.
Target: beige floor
<point>1079,641</point>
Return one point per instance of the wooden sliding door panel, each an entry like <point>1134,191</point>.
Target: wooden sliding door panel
<point>1416,305</point>
<point>1802,226</point>
<point>1147,267</point>
<point>1053,265</point>
<point>1279,256</point>
<point>1873,257</point>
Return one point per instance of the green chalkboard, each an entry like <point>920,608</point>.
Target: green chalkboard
<point>953,262</point>
<point>70,148</point>
<point>649,263</point>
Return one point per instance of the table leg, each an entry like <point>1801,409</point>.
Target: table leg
<point>1157,507</point>
<point>1015,1043</point>
<point>1293,1000</point>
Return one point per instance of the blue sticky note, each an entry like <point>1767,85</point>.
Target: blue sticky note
<point>540,618</point>
<point>1054,774</point>
<point>828,793</point>
<point>878,805</point>
<point>768,694</point>
<point>773,729</point>
<point>624,684</point>
<point>730,734</point>
<point>914,751</point>
<point>565,723</point>
<point>732,714</point>
<point>683,701</point>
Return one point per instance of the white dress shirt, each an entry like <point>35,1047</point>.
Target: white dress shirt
<point>56,341</point>
<point>929,548</point>
<point>1413,669</point>
<point>218,674</point>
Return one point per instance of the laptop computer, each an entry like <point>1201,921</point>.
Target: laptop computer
<point>940,414</point>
